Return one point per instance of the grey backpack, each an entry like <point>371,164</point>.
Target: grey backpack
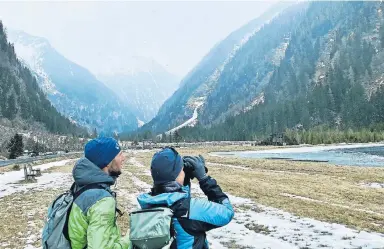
<point>151,228</point>
<point>55,231</point>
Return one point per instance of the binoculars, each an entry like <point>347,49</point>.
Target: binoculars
<point>188,170</point>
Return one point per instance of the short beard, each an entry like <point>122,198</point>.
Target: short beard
<point>113,171</point>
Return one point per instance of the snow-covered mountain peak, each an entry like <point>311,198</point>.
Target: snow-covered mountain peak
<point>27,39</point>
<point>67,85</point>
<point>30,51</point>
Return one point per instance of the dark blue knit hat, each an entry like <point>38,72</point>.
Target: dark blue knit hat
<point>166,165</point>
<point>101,151</point>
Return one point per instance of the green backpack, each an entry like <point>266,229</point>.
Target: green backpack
<point>151,228</point>
<point>55,232</point>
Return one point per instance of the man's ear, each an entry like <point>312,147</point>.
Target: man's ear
<point>105,169</point>
<point>109,165</point>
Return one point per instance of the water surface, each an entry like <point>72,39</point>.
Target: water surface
<point>353,155</point>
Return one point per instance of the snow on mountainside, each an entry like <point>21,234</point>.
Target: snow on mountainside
<point>190,122</point>
<point>203,81</point>
<point>140,123</point>
<point>31,53</point>
<point>313,65</point>
<point>67,86</point>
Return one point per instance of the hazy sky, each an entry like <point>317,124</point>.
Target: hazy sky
<point>92,34</point>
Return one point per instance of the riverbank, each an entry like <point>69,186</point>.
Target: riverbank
<point>368,155</point>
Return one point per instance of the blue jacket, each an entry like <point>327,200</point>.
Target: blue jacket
<point>193,217</point>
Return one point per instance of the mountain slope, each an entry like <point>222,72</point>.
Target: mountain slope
<point>143,89</point>
<point>196,87</point>
<point>330,74</point>
<point>21,97</point>
<point>312,64</point>
<point>72,89</point>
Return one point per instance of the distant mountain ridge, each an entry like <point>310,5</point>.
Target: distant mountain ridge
<point>22,101</point>
<point>72,89</point>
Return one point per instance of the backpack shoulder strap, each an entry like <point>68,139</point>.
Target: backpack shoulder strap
<point>87,187</point>
<point>94,186</point>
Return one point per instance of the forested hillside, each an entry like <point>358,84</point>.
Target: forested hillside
<point>20,95</point>
<point>329,75</point>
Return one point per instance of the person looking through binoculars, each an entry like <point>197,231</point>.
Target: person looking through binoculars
<point>191,217</point>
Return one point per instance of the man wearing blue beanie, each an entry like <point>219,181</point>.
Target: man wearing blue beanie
<point>92,220</point>
<point>192,217</point>
<point>105,152</point>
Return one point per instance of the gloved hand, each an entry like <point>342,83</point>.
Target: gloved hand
<point>196,165</point>
<point>188,168</point>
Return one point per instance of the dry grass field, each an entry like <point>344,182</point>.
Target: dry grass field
<point>299,193</point>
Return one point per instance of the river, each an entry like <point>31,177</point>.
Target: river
<point>343,154</point>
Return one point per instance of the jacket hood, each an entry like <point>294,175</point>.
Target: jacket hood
<point>166,199</point>
<point>85,172</point>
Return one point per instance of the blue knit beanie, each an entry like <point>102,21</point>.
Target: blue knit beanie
<point>166,165</point>
<point>101,151</point>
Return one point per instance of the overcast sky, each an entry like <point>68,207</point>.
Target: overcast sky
<point>175,34</point>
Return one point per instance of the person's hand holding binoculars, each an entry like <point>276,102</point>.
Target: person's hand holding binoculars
<point>194,166</point>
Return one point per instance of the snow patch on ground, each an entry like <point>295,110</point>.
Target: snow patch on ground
<point>273,228</point>
<point>143,186</point>
<point>46,181</point>
<point>53,164</point>
<point>31,247</point>
<point>228,165</point>
<point>331,204</point>
<point>9,181</point>
<point>133,161</point>
<point>32,238</point>
<point>372,185</point>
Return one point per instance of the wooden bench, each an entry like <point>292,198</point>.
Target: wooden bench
<point>30,173</point>
<point>36,172</point>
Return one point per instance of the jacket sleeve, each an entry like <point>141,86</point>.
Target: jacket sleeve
<point>215,212</point>
<point>212,190</point>
<point>102,229</point>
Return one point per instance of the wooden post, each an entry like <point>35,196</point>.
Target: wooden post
<point>25,172</point>
<point>31,173</point>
